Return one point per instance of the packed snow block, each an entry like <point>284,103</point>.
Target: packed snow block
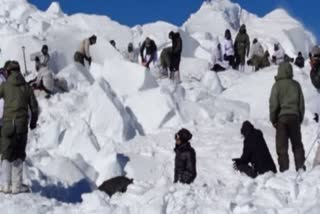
<point>128,78</point>
<point>153,108</point>
<point>193,69</point>
<point>37,27</point>
<point>106,163</point>
<point>212,83</point>
<point>109,118</point>
<point>76,76</point>
<point>79,139</point>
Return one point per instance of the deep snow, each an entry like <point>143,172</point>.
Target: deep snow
<point>119,119</point>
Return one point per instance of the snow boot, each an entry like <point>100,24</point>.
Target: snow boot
<point>5,185</point>
<point>17,171</point>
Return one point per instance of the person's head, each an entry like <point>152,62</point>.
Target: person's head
<point>113,43</point>
<point>93,39</point>
<point>130,47</point>
<point>276,47</point>
<point>243,29</point>
<point>171,34</point>
<point>148,42</point>
<point>11,66</point>
<point>227,34</point>
<point>45,49</point>
<point>315,52</point>
<point>246,128</point>
<point>300,54</point>
<point>314,56</point>
<point>255,40</point>
<point>183,136</point>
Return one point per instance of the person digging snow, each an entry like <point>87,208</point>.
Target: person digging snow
<point>19,99</point>
<point>287,109</point>
<point>185,161</point>
<point>148,52</point>
<point>84,51</point>
<point>42,61</point>
<point>256,158</point>
<point>242,48</point>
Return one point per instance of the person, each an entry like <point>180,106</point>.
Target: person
<point>256,158</point>
<point>257,55</point>
<point>286,105</point>
<point>84,51</point>
<point>165,61</point>
<point>315,67</point>
<point>42,61</point>
<point>176,51</point>
<point>265,60</point>
<point>14,131</point>
<point>219,64</point>
<point>116,184</point>
<point>227,48</point>
<point>185,161</point>
<point>132,54</point>
<point>113,44</point>
<point>150,49</point>
<point>242,47</point>
<point>299,60</point>
<point>278,56</point>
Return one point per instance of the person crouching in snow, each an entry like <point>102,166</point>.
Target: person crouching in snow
<point>84,50</point>
<point>185,161</point>
<point>256,158</point>
<point>18,100</point>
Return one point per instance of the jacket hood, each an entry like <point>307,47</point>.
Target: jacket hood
<point>243,29</point>
<point>246,128</point>
<point>285,71</point>
<point>16,78</point>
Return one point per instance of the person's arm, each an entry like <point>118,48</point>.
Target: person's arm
<point>248,45</point>
<point>274,105</point>
<point>301,104</point>
<point>246,154</point>
<point>46,59</point>
<point>87,48</point>
<point>178,46</point>
<point>1,90</point>
<point>189,173</point>
<point>142,50</point>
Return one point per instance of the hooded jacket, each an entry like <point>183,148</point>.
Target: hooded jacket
<point>286,95</point>
<point>242,42</point>
<point>255,150</point>
<point>18,98</point>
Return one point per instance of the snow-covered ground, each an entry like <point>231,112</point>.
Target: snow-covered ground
<point>119,119</point>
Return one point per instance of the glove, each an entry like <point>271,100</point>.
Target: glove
<point>316,117</point>
<point>33,122</point>
<point>235,164</point>
<point>89,60</point>
<point>37,59</point>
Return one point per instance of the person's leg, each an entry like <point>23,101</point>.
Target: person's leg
<point>218,68</point>
<point>282,144</point>
<point>248,170</point>
<point>294,130</point>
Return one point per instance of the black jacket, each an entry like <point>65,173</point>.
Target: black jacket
<point>299,61</point>
<point>114,185</point>
<point>176,44</point>
<point>150,49</point>
<point>256,152</point>
<point>185,164</point>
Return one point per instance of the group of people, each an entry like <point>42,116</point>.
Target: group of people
<point>229,54</point>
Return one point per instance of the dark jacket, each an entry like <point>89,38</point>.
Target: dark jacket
<point>114,185</point>
<point>286,95</point>
<point>299,61</point>
<point>150,48</point>
<point>255,150</point>
<point>242,42</point>
<point>185,164</point>
<point>176,44</point>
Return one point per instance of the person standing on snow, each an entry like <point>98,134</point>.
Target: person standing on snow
<point>150,49</point>
<point>299,60</point>
<point>256,158</point>
<point>185,161</point>
<point>84,50</point>
<point>175,55</point>
<point>43,60</point>
<point>18,100</point>
<point>242,47</point>
<point>287,109</point>
<point>227,48</point>
<point>132,53</point>
<point>278,56</point>
<point>165,62</point>
<point>257,55</point>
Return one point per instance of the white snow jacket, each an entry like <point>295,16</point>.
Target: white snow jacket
<point>257,50</point>
<point>218,58</point>
<point>46,76</point>
<point>227,47</point>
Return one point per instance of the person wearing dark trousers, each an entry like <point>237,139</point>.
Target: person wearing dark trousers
<point>256,158</point>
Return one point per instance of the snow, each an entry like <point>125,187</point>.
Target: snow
<point>118,118</point>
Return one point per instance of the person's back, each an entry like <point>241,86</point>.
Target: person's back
<point>261,158</point>
<point>299,60</point>
<point>257,49</point>
<point>278,56</point>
